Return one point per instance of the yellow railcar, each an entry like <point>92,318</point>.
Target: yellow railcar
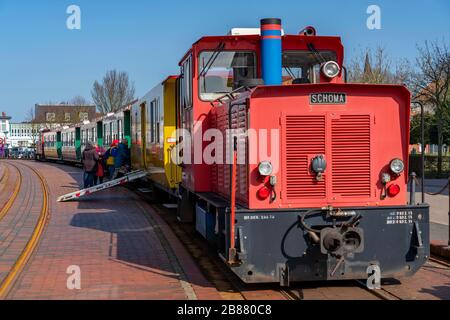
<point>153,122</point>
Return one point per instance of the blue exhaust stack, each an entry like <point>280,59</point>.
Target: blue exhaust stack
<point>271,51</point>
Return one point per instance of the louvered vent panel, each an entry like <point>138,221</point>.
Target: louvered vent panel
<point>351,156</point>
<point>305,136</point>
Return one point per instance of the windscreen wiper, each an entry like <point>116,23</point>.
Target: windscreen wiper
<point>212,59</point>
<point>289,71</point>
<point>319,58</point>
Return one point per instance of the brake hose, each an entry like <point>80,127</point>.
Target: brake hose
<point>303,223</point>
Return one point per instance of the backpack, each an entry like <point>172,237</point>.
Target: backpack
<point>112,156</point>
<point>114,152</point>
<point>110,161</point>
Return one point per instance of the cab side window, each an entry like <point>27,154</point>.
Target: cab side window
<point>185,83</point>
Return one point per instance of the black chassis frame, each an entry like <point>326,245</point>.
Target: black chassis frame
<point>273,247</point>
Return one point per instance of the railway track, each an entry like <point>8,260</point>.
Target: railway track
<point>27,252</point>
<point>4,178</point>
<point>4,210</point>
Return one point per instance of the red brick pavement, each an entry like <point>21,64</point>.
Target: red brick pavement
<point>118,248</point>
<point>432,282</point>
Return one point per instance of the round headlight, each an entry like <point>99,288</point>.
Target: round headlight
<point>330,69</point>
<point>265,168</point>
<point>397,166</point>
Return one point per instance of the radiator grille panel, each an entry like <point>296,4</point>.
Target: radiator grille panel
<point>305,136</point>
<point>351,156</point>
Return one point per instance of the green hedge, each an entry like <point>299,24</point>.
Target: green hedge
<point>430,165</point>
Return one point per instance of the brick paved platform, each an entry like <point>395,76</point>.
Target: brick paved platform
<point>123,249</point>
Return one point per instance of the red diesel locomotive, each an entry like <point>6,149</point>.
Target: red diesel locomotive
<point>289,171</point>
<point>327,197</point>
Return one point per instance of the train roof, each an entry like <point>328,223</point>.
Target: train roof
<point>288,40</point>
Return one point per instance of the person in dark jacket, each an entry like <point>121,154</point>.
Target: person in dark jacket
<point>89,159</point>
<point>123,157</point>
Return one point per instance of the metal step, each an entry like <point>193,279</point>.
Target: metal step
<point>170,206</point>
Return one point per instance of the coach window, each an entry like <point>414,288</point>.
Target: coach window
<point>304,66</point>
<point>158,121</point>
<point>136,127</point>
<point>119,125</point>
<point>185,83</point>
<point>105,135</point>
<point>221,72</point>
<point>151,121</point>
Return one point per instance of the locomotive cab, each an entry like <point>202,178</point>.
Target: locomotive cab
<point>310,179</point>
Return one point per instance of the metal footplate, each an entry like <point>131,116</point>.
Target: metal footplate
<point>110,184</point>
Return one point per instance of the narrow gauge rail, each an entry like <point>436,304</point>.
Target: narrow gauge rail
<point>4,177</point>
<point>4,210</point>
<point>27,252</point>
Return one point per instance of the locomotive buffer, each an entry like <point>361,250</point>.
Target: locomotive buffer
<point>107,185</point>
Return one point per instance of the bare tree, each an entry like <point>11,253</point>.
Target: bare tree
<point>29,115</point>
<point>79,101</point>
<point>35,126</point>
<point>431,85</point>
<point>115,91</point>
<point>376,67</point>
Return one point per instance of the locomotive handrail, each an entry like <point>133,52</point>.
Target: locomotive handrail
<point>227,95</point>
<point>422,138</point>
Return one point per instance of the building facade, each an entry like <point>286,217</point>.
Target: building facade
<point>4,130</point>
<point>63,113</point>
<point>23,135</point>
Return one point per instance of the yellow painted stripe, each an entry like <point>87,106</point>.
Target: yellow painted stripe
<point>7,283</point>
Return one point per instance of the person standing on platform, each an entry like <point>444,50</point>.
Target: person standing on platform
<point>100,173</point>
<point>123,157</point>
<point>109,157</point>
<point>89,159</point>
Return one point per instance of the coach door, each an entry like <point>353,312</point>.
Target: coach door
<point>78,143</point>
<point>59,145</point>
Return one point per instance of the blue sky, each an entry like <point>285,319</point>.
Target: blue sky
<point>41,60</point>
